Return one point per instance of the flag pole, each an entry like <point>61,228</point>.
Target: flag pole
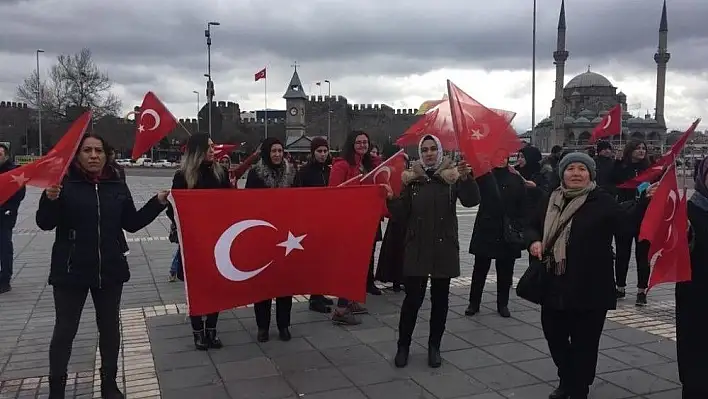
<point>265,96</point>
<point>533,75</point>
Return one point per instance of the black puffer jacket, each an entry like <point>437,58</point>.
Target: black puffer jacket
<point>313,174</point>
<point>89,219</point>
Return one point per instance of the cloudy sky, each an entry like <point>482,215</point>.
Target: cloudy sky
<point>395,52</point>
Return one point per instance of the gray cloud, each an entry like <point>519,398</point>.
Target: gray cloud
<point>147,45</point>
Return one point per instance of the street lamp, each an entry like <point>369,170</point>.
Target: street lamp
<point>210,84</point>
<point>198,102</point>
<point>329,112</point>
<point>39,102</point>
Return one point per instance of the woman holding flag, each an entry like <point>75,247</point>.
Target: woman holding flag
<point>199,170</point>
<point>89,211</point>
<point>427,206</point>
<point>356,161</point>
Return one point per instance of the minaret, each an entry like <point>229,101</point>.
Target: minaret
<point>661,58</point>
<point>560,56</point>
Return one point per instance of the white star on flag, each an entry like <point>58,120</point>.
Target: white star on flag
<point>292,243</point>
<point>141,128</point>
<point>19,179</point>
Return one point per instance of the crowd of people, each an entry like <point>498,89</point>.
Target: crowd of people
<point>564,209</point>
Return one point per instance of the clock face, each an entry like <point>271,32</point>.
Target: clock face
<point>293,111</point>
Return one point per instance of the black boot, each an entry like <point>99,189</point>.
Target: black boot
<point>212,340</point>
<point>263,335</point>
<point>401,359</point>
<point>57,387</point>
<point>434,358</point>
<point>472,310</point>
<point>558,393</point>
<point>200,341</point>
<point>109,387</point>
<point>503,311</point>
<point>284,334</point>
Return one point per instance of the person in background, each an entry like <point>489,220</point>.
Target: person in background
<point>315,173</point>
<point>272,171</point>
<point>427,206</point>
<point>571,233</point>
<point>504,204</point>
<point>120,171</point>
<point>374,151</point>
<point>8,219</point>
<point>691,298</point>
<point>89,211</point>
<point>605,161</point>
<point>198,170</point>
<point>235,173</point>
<point>356,160</point>
<point>634,161</point>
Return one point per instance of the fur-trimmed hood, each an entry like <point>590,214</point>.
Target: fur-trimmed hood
<point>447,172</point>
<point>275,178</point>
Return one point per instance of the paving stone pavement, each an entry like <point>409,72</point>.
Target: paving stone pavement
<point>486,357</point>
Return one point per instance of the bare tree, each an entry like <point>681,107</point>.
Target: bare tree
<point>74,81</point>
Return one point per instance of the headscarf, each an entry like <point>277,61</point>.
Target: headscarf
<point>439,160</point>
<point>700,197</point>
<point>265,152</point>
<point>533,158</point>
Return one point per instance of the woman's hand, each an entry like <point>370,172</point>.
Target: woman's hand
<point>529,183</point>
<point>162,196</point>
<point>464,170</point>
<point>389,191</point>
<point>652,190</point>
<point>535,249</point>
<point>53,192</point>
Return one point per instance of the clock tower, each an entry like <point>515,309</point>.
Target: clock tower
<point>295,104</point>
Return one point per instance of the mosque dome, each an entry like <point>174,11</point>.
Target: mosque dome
<point>588,79</point>
<point>586,113</point>
<point>582,119</point>
<point>597,120</point>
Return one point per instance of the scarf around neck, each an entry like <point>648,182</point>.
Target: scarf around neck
<point>562,206</point>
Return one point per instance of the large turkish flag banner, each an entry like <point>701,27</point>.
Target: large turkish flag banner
<point>243,246</point>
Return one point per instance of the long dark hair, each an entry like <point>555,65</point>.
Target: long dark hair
<point>349,153</point>
<point>629,149</point>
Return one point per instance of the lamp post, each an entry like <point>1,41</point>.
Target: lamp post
<point>329,112</point>
<point>198,102</point>
<point>533,76</point>
<point>210,83</point>
<point>39,102</point>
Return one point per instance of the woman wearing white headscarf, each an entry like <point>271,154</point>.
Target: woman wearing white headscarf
<point>427,206</point>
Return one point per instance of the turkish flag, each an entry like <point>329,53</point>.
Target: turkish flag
<point>669,158</point>
<point>260,74</point>
<point>154,122</point>
<point>484,136</point>
<point>610,125</point>
<point>260,250</point>
<point>224,150</point>
<point>665,226</point>
<point>388,172</point>
<point>50,169</point>
<point>437,120</point>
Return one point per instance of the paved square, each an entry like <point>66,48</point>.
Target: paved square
<point>486,357</point>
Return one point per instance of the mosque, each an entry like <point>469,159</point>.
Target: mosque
<point>580,105</point>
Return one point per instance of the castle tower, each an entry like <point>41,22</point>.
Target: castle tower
<point>560,56</point>
<point>661,58</point>
<point>295,101</point>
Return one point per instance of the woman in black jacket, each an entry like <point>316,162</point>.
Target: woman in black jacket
<point>691,298</point>
<point>634,161</point>
<point>503,205</point>
<point>198,170</point>
<point>427,207</point>
<point>571,233</point>
<point>89,211</point>
<point>315,173</point>
<point>272,171</point>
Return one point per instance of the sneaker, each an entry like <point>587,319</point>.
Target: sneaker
<point>345,317</point>
<point>5,288</point>
<point>357,308</point>
<point>641,299</point>
<point>620,293</point>
<point>172,278</point>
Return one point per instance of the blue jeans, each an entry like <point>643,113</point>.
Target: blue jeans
<point>176,262</point>
<point>6,255</point>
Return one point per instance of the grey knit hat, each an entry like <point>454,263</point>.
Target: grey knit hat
<point>574,157</point>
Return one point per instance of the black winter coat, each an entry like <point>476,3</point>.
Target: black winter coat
<point>89,219</point>
<point>313,174</point>
<point>624,171</point>
<point>8,210</point>
<point>510,200</point>
<point>589,279</point>
<point>691,305</point>
<point>606,173</point>
<point>427,207</point>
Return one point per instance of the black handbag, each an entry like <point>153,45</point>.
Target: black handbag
<point>533,284</point>
<point>173,237</point>
<point>513,234</point>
